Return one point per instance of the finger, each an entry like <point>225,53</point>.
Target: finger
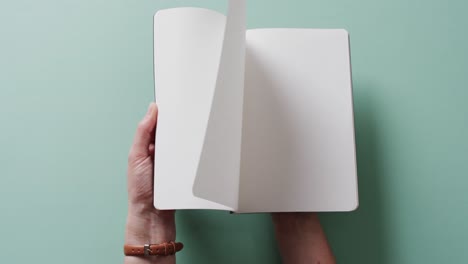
<point>144,134</point>
<point>153,131</point>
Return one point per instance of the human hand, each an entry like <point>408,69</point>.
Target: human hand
<point>145,224</point>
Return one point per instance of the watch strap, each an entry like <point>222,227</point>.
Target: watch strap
<point>163,249</point>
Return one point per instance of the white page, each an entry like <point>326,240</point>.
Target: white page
<point>218,172</point>
<point>188,44</point>
<point>298,151</point>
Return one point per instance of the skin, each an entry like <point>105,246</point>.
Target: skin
<point>300,236</point>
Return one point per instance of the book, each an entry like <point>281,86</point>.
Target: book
<point>251,120</point>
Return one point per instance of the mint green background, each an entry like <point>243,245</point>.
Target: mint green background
<point>76,76</point>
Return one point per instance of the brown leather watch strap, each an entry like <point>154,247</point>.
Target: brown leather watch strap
<point>163,249</point>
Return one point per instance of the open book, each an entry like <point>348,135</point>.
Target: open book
<point>251,120</point>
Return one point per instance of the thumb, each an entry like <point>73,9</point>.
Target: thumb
<point>144,134</point>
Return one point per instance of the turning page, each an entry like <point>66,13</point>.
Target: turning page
<point>187,50</point>
<point>199,83</point>
<point>298,150</point>
<point>218,173</point>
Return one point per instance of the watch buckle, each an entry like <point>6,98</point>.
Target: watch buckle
<point>147,249</point>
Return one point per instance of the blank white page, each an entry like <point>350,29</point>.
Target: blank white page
<point>187,48</point>
<point>298,151</point>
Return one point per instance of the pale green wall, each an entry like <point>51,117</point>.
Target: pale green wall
<point>76,76</point>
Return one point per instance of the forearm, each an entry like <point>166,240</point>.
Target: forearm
<point>301,239</point>
<point>149,228</point>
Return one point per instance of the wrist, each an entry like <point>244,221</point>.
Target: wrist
<point>149,226</point>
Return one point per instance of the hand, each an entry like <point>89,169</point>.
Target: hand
<point>145,224</point>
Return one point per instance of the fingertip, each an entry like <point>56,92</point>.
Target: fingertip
<point>157,108</point>
<point>149,121</point>
<point>151,109</point>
